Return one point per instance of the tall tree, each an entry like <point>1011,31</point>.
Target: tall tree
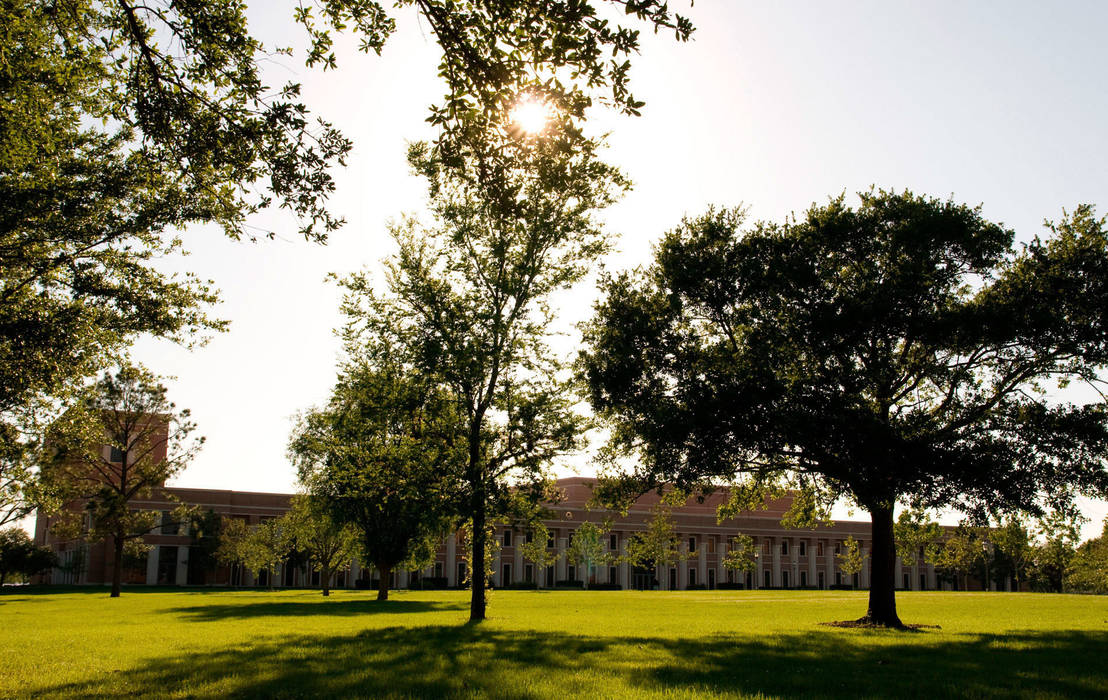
<point>897,352</point>
<point>1013,541</point>
<point>917,536</point>
<point>960,554</point>
<point>329,545</point>
<point>124,440</point>
<point>1057,535</point>
<point>586,549</point>
<point>1088,570</point>
<point>385,456</point>
<point>265,546</point>
<point>658,545</point>
<point>469,300</point>
<point>741,554</point>
<point>851,560</point>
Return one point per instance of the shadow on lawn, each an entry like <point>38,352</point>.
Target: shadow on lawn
<point>474,661</point>
<point>322,607</point>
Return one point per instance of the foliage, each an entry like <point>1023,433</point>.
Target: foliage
<point>961,552</point>
<point>917,536</point>
<point>329,545</point>
<point>851,560</point>
<point>586,548</point>
<point>536,551</point>
<point>658,545</point>
<point>1057,535</point>
<point>384,456</point>
<point>125,439</point>
<point>267,545</point>
<point>1012,540</point>
<point>741,554</point>
<point>206,530</point>
<point>897,352</point>
<point>21,557</point>
<point>233,536</point>
<point>1088,570</point>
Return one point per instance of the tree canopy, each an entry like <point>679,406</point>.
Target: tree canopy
<point>896,352</point>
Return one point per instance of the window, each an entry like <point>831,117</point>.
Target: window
<point>550,541</point>
<point>613,575</point>
<point>803,548</point>
<point>838,578</point>
<point>530,537</point>
<point>784,546</point>
<point>529,573</point>
<point>572,573</point>
<point>803,579</point>
<point>765,577</point>
<point>461,574</point>
<point>692,577</point>
<point>506,577</point>
<point>507,538</point>
<point>116,455</point>
<point>550,575</point>
<point>613,542</point>
<point>692,544</point>
<point>907,581</point>
<point>438,569</point>
<point>838,548</point>
<point>673,579</point>
<point>168,526</point>
<point>819,549</point>
<point>711,545</point>
<point>923,582</point>
<point>921,552</point>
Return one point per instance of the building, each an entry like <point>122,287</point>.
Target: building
<point>785,558</point>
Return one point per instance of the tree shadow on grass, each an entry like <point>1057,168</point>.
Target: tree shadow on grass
<point>323,607</point>
<point>472,661</point>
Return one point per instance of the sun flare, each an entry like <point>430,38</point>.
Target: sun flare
<point>530,115</point>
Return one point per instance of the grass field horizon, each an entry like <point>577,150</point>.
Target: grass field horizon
<point>544,644</point>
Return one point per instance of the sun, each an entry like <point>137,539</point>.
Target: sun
<point>530,115</point>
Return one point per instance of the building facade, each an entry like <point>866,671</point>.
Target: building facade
<point>785,558</point>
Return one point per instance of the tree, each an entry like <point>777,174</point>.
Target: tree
<point>851,560</point>
<point>469,303</point>
<point>1088,570</point>
<point>1059,531</point>
<point>233,536</point>
<point>961,553</point>
<point>329,545</point>
<point>899,352</point>
<point>384,456</point>
<point>267,545</point>
<point>123,441</point>
<point>1013,541</point>
<point>20,556</point>
<point>586,549</point>
<point>917,536</point>
<point>536,549</point>
<point>741,555</point>
<point>658,545</point>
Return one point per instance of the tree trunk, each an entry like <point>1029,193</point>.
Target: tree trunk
<point>477,600</point>
<point>882,584</point>
<point>383,581</point>
<point>325,579</point>
<point>117,567</point>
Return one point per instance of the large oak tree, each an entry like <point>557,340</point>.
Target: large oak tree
<point>902,351</point>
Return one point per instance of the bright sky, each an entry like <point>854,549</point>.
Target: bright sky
<point>775,105</point>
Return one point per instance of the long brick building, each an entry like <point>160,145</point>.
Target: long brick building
<point>785,558</point>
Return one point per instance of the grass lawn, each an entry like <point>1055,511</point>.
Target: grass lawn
<point>540,644</point>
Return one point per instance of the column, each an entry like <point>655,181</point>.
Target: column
<point>561,566</point>
<point>517,563</point>
<point>899,574</point>
<point>624,567</point>
<point>813,576</point>
<point>182,565</point>
<point>683,566</point>
<point>452,560</point>
<point>794,575</point>
<point>152,565</point>
<point>931,584</point>
<point>776,564</point>
<point>829,554</point>
<point>401,579</point>
<point>915,576</point>
<point>355,573</point>
<point>721,574</point>
<point>702,570</point>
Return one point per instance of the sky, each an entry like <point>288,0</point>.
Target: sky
<point>772,105</point>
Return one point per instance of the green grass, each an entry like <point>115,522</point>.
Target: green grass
<point>540,644</point>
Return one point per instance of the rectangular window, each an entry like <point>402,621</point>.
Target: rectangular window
<point>528,573</point>
<point>692,577</point>
<point>506,577</point>
<point>838,578</point>
<point>168,526</point>
<point>784,546</point>
<point>438,569</point>
<point>784,579</point>
<point>550,541</point>
<point>692,544</point>
<point>838,548</point>
<point>907,581</point>
<point>550,576</point>
<point>613,574</point>
<point>803,579</point>
<point>115,455</point>
<point>572,573</point>
<point>530,537</point>
<point>613,542</point>
<point>507,538</point>
<point>819,549</point>
<point>711,545</point>
<point>803,548</point>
